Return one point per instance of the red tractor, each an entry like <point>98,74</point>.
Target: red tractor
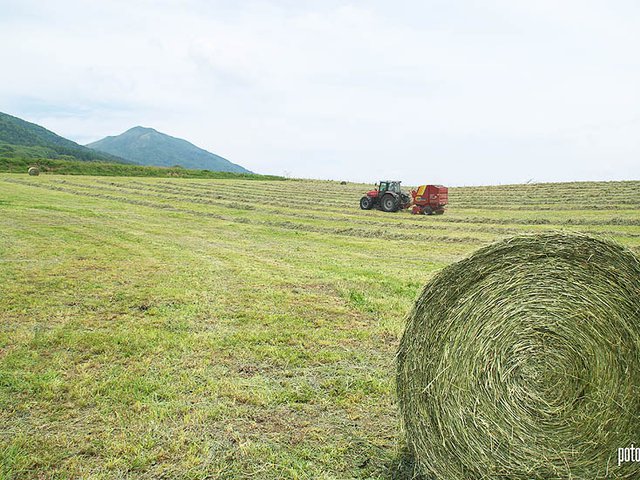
<point>429,199</point>
<point>387,196</point>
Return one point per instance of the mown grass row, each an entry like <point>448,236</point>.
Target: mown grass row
<point>249,196</point>
<point>334,214</point>
<point>286,197</point>
<point>474,197</point>
<point>306,216</point>
<point>310,210</point>
<point>236,216</point>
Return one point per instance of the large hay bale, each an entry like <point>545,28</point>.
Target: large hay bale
<point>523,362</point>
<point>33,171</point>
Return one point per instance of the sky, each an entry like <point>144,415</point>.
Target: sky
<point>458,93</point>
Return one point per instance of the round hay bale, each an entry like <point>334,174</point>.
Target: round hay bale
<point>522,361</point>
<point>34,171</point>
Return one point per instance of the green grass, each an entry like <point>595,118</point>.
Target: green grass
<point>229,328</point>
<point>19,159</point>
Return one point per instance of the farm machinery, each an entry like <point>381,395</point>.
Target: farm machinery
<point>389,197</point>
<point>429,199</point>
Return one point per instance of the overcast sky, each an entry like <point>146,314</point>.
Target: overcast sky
<point>455,92</point>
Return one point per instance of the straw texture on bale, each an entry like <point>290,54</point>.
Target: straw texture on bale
<point>33,171</point>
<point>522,361</point>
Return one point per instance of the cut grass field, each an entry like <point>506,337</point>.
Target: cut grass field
<point>191,328</point>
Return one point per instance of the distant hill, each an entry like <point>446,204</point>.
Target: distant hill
<point>22,139</point>
<point>147,146</point>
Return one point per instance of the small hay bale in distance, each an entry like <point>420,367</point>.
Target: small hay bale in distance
<point>33,171</point>
<point>522,361</point>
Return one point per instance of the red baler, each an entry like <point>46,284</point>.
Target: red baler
<point>429,199</point>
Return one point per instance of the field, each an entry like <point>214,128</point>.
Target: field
<point>192,328</point>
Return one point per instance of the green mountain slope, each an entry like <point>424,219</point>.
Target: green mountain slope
<point>22,139</point>
<point>150,147</point>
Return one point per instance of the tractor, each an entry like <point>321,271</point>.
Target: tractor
<point>387,196</point>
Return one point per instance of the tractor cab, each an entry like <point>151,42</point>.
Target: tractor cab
<point>384,186</point>
<point>389,186</point>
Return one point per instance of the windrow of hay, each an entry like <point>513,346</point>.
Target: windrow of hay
<point>523,362</point>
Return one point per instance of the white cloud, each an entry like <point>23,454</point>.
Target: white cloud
<point>423,91</point>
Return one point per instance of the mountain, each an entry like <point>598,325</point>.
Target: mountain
<point>150,147</point>
<point>19,138</point>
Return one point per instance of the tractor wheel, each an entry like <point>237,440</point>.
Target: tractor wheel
<point>427,210</point>
<point>389,203</point>
<point>366,203</point>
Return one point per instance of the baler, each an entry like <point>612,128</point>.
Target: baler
<point>429,199</point>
